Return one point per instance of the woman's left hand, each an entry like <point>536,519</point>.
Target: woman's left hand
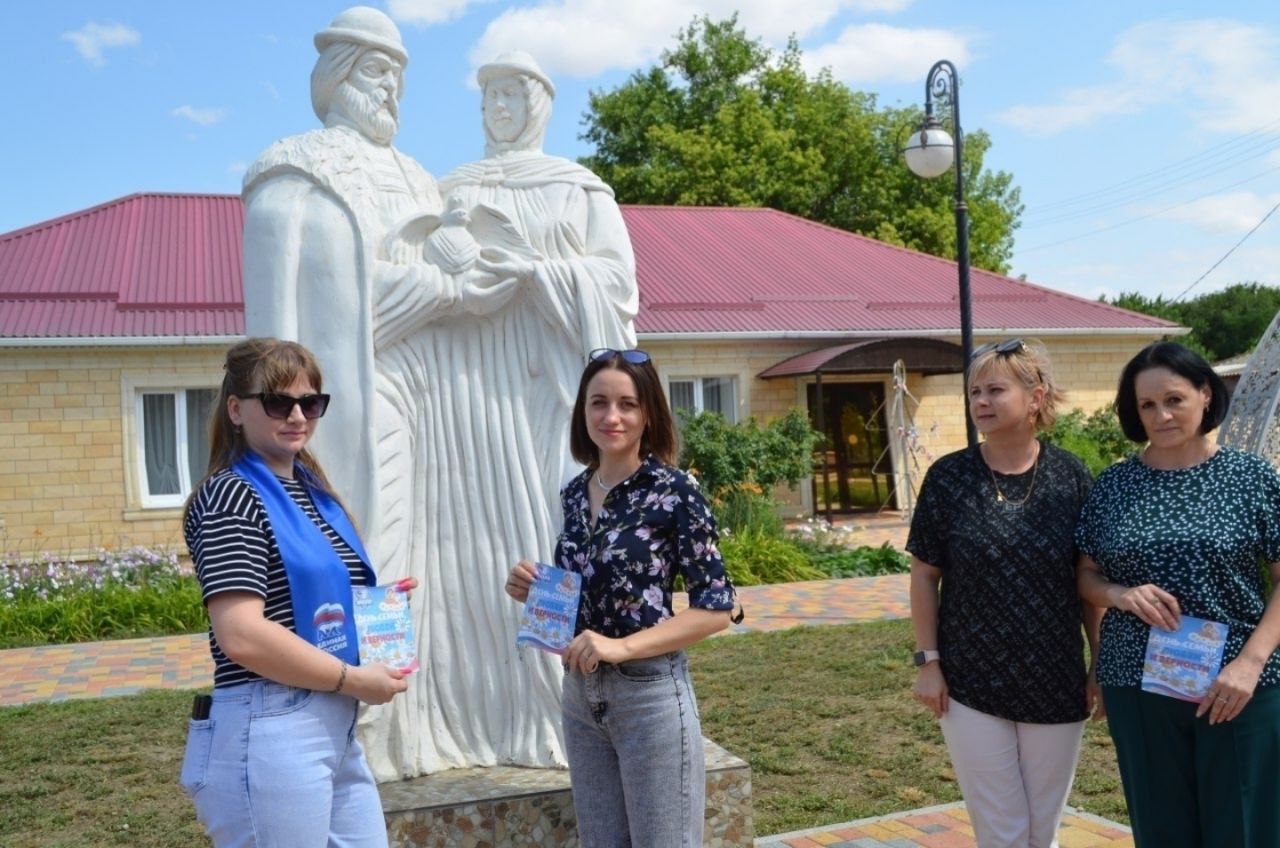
<point>1231,690</point>
<point>588,649</point>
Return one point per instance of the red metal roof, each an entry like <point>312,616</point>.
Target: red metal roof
<point>736,270</point>
<point>143,266</point>
<point>168,265</point>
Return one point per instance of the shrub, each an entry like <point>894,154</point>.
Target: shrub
<point>746,456</point>
<point>832,550</point>
<point>1097,440</point>
<point>740,512</point>
<point>862,561</point>
<point>129,593</point>
<point>753,558</point>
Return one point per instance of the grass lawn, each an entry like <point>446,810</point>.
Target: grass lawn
<point>823,715</point>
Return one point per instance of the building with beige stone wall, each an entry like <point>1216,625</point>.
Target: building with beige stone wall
<point>114,322</point>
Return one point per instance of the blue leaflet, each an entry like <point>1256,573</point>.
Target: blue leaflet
<point>551,610</point>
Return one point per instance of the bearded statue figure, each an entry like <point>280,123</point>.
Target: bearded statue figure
<point>319,269</point>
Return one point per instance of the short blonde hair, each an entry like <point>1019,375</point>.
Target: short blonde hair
<point>1027,364</point>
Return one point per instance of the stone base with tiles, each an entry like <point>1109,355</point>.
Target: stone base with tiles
<point>501,806</point>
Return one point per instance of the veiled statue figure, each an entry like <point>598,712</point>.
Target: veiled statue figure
<point>455,334</point>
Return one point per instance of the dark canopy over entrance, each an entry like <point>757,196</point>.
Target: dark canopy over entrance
<point>855,455</point>
<point>873,356</point>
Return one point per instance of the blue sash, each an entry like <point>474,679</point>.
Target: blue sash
<point>319,583</point>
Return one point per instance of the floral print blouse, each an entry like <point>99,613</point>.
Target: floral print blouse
<point>653,525</point>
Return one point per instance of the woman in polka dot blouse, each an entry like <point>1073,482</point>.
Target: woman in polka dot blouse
<point>1184,528</point>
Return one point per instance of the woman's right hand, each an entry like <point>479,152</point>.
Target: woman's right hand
<point>931,688</point>
<point>1152,604</point>
<point>375,683</point>
<point>520,579</point>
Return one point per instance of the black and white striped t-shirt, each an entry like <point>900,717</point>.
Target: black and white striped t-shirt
<point>234,550</point>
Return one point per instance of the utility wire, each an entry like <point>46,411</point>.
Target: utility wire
<point>1209,170</point>
<point>1135,219</point>
<point>1228,253</point>
<point>1163,171</point>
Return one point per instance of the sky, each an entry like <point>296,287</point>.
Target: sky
<point>1144,134</point>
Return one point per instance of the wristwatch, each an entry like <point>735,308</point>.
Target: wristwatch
<point>925,657</point>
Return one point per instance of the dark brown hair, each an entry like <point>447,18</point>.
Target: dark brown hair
<point>659,436</point>
<point>1184,362</point>
<point>257,365</point>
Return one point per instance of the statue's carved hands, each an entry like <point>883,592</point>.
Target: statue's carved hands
<point>482,292</point>
<point>505,265</point>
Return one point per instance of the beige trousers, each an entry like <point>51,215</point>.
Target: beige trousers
<point>1015,776</point>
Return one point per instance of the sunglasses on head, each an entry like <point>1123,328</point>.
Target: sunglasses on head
<point>635,357</point>
<point>1003,348</point>
<point>280,405</point>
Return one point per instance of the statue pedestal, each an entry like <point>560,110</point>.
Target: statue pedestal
<point>503,805</point>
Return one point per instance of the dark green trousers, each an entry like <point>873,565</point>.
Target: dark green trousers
<point>1192,785</point>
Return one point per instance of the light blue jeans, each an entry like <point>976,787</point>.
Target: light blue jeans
<point>634,743</point>
<point>278,766</point>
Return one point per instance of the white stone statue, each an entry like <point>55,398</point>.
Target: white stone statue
<point>539,254</point>
<point>452,339</point>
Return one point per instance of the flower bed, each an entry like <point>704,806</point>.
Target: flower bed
<point>134,592</point>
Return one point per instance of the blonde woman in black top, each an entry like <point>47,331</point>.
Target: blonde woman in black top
<point>1000,649</point>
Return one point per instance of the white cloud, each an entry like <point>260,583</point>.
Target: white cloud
<point>1234,212</point>
<point>426,12</point>
<point>877,52</point>
<point>237,168</point>
<point>582,38</point>
<point>204,116</point>
<point>92,38</point>
<point>1227,71</point>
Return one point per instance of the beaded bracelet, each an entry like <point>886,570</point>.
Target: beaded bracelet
<point>342,677</point>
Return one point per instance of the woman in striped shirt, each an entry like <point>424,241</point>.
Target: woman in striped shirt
<point>275,761</point>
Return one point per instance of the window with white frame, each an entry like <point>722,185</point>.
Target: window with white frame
<point>173,442</point>
<point>705,394</point>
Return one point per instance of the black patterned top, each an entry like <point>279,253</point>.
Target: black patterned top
<point>652,526</point>
<point>1199,533</point>
<point>1010,627</point>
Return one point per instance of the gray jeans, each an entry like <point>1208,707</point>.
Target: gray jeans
<point>634,745</point>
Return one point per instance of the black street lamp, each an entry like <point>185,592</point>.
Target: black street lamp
<point>928,155</point>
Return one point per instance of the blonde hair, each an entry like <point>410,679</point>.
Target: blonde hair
<point>1029,366</point>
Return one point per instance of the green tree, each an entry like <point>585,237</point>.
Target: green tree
<point>1223,323</point>
<point>724,120</point>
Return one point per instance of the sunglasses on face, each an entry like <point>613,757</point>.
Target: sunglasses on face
<point>279,405</point>
<point>1003,348</point>
<point>635,357</point>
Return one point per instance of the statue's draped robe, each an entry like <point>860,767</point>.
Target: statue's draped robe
<point>488,384</point>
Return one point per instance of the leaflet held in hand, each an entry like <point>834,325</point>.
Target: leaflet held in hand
<point>551,610</point>
<point>385,627</point>
<point>1183,663</point>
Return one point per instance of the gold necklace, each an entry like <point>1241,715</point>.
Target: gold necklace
<point>1000,498</point>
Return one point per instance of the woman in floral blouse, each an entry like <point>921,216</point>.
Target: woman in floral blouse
<point>632,524</point>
